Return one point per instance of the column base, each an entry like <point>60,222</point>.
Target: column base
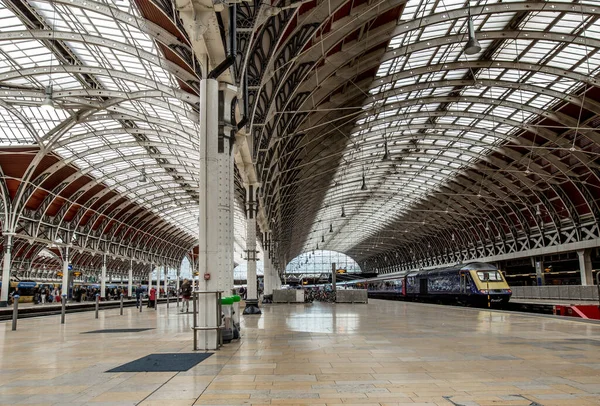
<point>252,307</point>
<point>267,298</point>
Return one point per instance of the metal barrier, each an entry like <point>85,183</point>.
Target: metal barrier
<point>206,328</point>
<point>560,292</point>
<point>15,315</point>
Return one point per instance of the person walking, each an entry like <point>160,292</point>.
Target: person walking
<point>138,295</point>
<point>186,294</point>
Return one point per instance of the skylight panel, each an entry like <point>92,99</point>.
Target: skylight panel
<point>540,21</point>
<point>570,23</point>
<point>569,56</point>
<point>435,31</point>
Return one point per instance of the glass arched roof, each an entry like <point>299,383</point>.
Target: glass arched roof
<point>120,114</point>
<point>319,261</point>
<point>433,111</point>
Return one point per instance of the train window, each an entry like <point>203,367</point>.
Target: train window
<point>492,276</point>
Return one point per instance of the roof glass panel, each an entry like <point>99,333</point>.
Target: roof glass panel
<point>120,134</point>
<point>424,126</point>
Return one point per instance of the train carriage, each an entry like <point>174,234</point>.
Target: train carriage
<point>476,283</point>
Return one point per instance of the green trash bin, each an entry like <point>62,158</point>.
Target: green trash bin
<point>227,314</point>
<point>236,316</point>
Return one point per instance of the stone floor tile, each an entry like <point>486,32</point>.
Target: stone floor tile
<point>312,354</point>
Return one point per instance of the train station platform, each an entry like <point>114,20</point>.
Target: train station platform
<point>383,353</point>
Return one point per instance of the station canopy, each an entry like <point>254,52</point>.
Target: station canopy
<point>374,132</point>
<point>101,98</point>
<point>433,112</point>
<point>403,150</point>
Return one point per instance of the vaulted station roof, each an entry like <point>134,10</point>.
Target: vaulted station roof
<point>373,132</point>
<point>113,166</point>
<point>388,142</point>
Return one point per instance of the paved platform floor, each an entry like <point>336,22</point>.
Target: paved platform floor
<point>384,353</point>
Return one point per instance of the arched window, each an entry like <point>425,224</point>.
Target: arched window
<point>318,262</point>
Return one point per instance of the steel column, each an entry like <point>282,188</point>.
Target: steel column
<point>177,284</point>
<point>149,281</point>
<point>130,280</point>
<point>539,271</point>
<point>65,277</point>
<point>103,278</point>
<point>585,266</point>
<point>209,192</point>
<point>165,284</point>
<point>8,242</point>
<point>251,205</point>
<point>268,272</point>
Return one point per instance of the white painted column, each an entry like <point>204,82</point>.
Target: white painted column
<point>539,271</point>
<point>65,270</point>
<point>251,206</point>
<point>585,266</point>
<point>150,278</point>
<point>130,280</point>
<point>275,275</point>
<point>225,161</point>
<point>268,274</point>
<point>177,284</point>
<point>215,203</point>
<point>103,278</point>
<point>166,285</point>
<point>8,242</point>
<point>208,209</point>
<point>158,275</point>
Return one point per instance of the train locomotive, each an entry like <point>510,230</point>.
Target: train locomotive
<point>477,284</point>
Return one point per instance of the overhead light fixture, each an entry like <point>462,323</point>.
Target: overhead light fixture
<point>48,103</point>
<point>317,246</point>
<point>386,153</point>
<point>343,213</point>
<point>143,178</point>
<point>322,238</point>
<point>473,47</point>
<point>364,184</point>
<point>331,228</point>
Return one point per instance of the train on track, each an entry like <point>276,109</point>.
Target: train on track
<point>476,284</point>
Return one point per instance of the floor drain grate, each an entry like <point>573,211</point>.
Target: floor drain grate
<point>177,362</point>
<point>118,330</point>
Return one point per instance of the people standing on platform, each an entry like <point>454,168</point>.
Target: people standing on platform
<point>138,295</point>
<point>43,295</point>
<point>186,294</point>
<point>11,296</point>
<point>151,297</point>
